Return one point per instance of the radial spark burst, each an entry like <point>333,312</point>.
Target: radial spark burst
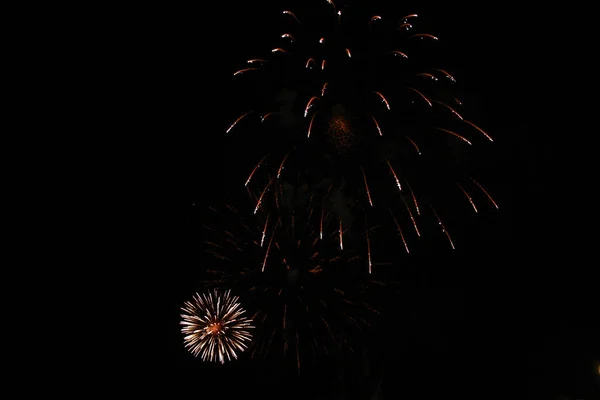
<point>214,326</point>
<point>361,102</point>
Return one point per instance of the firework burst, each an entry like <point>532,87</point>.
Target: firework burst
<point>356,101</point>
<point>214,326</point>
<point>306,291</point>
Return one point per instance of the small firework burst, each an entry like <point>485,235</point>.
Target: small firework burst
<point>214,326</point>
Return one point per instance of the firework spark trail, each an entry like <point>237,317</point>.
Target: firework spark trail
<point>443,227</point>
<point>262,195</point>
<point>254,170</point>
<point>455,135</point>
<point>394,174</point>
<point>485,192</point>
<point>309,105</point>
<point>214,326</point>
<point>323,89</point>
<point>414,198</point>
<point>310,125</point>
<point>400,230</point>
<point>366,186</point>
<point>377,125</point>
<point>423,35</point>
<point>268,249</point>
<point>480,130</point>
<point>321,224</point>
<point>446,74</point>
<point>427,75</point>
<point>288,36</point>
<point>288,12</point>
<point>452,110</point>
<point>341,239</point>
<point>468,196</point>
<point>241,71</point>
<point>282,163</point>
<point>414,145</point>
<point>236,121</point>
<point>398,53</point>
<point>411,217</point>
<point>264,231</point>
<point>421,94</point>
<point>383,99</point>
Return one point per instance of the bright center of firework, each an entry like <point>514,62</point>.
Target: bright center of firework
<point>339,131</point>
<point>215,328</point>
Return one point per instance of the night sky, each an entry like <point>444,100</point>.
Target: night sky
<point>499,317</point>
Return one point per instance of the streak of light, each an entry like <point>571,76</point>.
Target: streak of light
<point>254,170</point>
<point>454,134</point>
<point>400,231</point>
<point>394,173</point>
<point>414,144</point>
<point>443,227</point>
<point>264,232</point>
<point>241,71</point>
<point>377,126</point>
<point>236,121</point>
<point>421,94</point>
<point>383,99</point>
<point>366,185</point>
<point>468,197</point>
<point>485,192</point>
<point>480,130</point>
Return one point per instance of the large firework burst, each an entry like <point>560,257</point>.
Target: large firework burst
<point>214,326</point>
<point>306,291</point>
<point>356,101</point>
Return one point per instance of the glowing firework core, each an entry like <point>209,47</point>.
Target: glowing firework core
<point>339,131</point>
<point>214,326</point>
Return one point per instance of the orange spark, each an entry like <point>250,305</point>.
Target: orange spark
<point>383,99</point>
<point>399,53</point>
<point>268,249</point>
<point>309,105</point>
<point>412,218</point>
<point>341,240</point>
<point>486,193</point>
<point>424,35</point>
<point>310,125</point>
<point>421,94</point>
<point>377,126</point>
<point>468,197</point>
<point>454,134</point>
<point>264,231</point>
<point>443,227</point>
<point>394,173</point>
<point>480,130</point>
<point>261,196</point>
<point>452,110</point>
<point>414,198</point>
<point>399,231</point>
<point>427,75</point>
<point>366,186</point>
<point>241,71</point>
<point>446,74</point>
<point>236,121</point>
<point>414,144</point>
